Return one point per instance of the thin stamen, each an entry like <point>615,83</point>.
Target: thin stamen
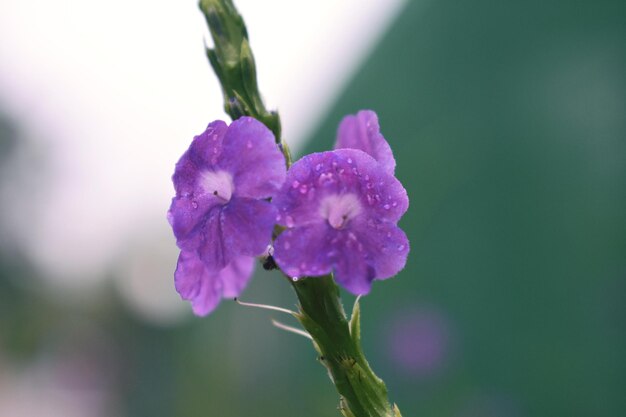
<point>291,329</point>
<point>265,307</point>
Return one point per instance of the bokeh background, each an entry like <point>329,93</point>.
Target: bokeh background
<point>508,122</point>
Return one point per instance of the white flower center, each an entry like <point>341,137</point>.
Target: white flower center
<point>340,209</point>
<point>218,183</point>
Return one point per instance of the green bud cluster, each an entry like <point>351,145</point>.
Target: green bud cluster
<point>233,62</point>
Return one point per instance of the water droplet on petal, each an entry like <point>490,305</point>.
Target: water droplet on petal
<point>295,184</point>
<point>194,204</point>
<point>349,160</point>
<point>287,245</point>
<point>394,204</point>
<point>295,279</point>
<point>303,189</point>
<point>289,221</point>
<point>355,171</point>
<point>386,206</point>
<point>400,247</point>
<point>388,234</point>
<point>249,144</point>
<point>318,167</point>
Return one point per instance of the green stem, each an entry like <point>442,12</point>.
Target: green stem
<point>337,340</point>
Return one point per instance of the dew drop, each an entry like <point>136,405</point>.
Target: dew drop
<point>341,171</point>
<point>249,145</point>
<point>318,167</point>
<point>369,185</point>
<point>289,221</point>
<point>194,204</point>
<point>303,189</point>
<point>388,234</point>
<point>295,184</point>
<point>349,160</point>
<point>400,247</point>
<point>214,137</point>
<point>295,279</point>
<point>394,204</point>
<point>355,171</point>
<point>386,206</point>
<point>287,245</point>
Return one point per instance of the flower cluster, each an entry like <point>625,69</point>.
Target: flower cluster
<point>339,210</point>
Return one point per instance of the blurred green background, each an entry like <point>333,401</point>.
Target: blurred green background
<point>508,123</point>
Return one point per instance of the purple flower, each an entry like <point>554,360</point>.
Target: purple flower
<point>220,212</point>
<point>341,208</point>
<point>361,131</point>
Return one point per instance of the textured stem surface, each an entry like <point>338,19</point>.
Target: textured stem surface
<point>338,342</point>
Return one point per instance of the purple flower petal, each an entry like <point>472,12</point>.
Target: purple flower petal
<point>205,289</point>
<point>185,216</point>
<point>247,227</point>
<point>251,155</point>
<point>357,253</point>
<point>304,251</point>
<point>342,208</point>
<point>194,283</point>
<point>202,154</point>
<point>361,131</point>
<point>236,275</point>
